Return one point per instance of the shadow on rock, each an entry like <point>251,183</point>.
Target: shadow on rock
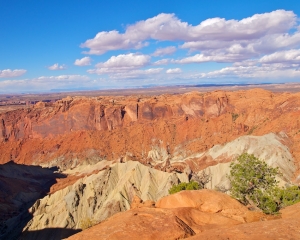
<point>49,234</point>
<point>20,187</point>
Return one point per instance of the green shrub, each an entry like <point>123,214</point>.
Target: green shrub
<point>254,182</point>
<point>250,176</point>
<point>268,200</point>
<point>184,186</point>
<point>289,196</point>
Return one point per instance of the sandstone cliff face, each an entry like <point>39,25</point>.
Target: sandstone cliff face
<point>183,136</point>
<point>99,196</point>
<point>96,192</point>
<point>147,129</point>
<point>113,149</point>
<point>73,114</point>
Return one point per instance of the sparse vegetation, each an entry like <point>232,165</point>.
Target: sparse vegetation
<point>254,182</point>
<point>234,116</point>
<point>184,186</point>
<point>221,188</point>
<point>87,223</point>
<point>289,196</point>
<point>252,130</point>
<point>202,179</point>
<point>267,119</point>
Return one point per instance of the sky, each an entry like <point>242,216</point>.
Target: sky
<point>63,45</point>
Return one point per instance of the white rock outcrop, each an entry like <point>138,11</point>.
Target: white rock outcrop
<point>99,196</point>
<point>269,148</point>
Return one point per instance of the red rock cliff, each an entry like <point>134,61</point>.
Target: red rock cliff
<point>89,129</point>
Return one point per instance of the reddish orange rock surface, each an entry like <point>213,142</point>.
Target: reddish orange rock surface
<point>188,218</point>
<point>285,228</point>
<point>74,130</point>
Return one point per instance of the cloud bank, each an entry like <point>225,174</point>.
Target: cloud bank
<point>207,35</point>
<point>257,46</point>
<point>8,73</point>
<point>262,47</point>
<point>46,83</point>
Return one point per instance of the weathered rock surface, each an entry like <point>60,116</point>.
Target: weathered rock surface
<point>153,223</point>
<point>96,197</point>
<point>269,147</point>
<point>183,136</point>
<point>205,201</point>
<point>152,130</point>
<point>139,203</point>
<point>285,228</point>
<point>196,212</point>
<point>76,200</point>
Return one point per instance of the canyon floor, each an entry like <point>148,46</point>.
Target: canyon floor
<point>107,162</point>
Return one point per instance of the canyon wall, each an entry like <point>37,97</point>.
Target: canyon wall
<point>152,130</point>
<point>107,150</point>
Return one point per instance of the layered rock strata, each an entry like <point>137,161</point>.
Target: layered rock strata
<point>146,129</point>
<point>96,197</point>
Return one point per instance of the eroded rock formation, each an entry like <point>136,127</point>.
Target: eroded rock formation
<point>98,196</point>
<point>203,214</point>
<point>112,149</point>
<point>147,129</point>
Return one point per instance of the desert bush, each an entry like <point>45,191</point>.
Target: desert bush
<point>234,116</point>
<point>86,223</point>
<point>254,182</point>
<point>184,186</point>
<point>289,196</point>
<point>221,188</point>
<point>249,176</point>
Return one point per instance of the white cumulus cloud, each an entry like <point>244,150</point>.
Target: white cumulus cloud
<point>288,56</point>
<point>200,58</point>
<point>271,71</point>
<point>85,61</point>
<point>121,63</point>
<point>167,27</point>
<point>164,51</point>
<point>56,66</point>
<point>173,70</point>
<point>263,45</point>
<point>8,73</point>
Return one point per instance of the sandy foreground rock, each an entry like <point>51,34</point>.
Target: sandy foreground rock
<point>203,214</point>
<point>285,228</point>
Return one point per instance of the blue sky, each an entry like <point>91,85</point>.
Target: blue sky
<point>73,44</point>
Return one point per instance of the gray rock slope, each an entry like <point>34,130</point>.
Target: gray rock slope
<point>99,196</point>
